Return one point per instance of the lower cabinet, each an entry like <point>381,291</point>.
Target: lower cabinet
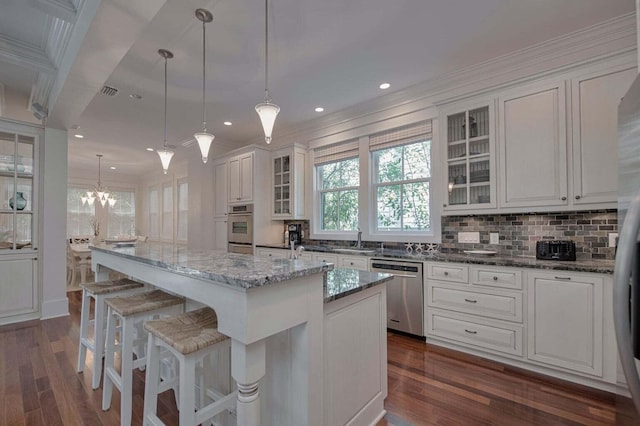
<point>565,321</point>
<point>18,288</point>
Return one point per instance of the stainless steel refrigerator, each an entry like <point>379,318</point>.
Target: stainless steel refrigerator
<point>626,296</point>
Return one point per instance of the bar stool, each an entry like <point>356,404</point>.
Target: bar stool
<point>189,337</point>
<point>128,312</point>
<point>99,292</point>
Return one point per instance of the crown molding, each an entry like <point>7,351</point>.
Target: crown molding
<point>607,39</point>
<point>62,9</point>
<point>25,55</point>
<point>2,104</point>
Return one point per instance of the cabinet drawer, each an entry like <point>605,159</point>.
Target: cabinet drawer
<point>471,332</point>
<point>354,262</point>
<point>448,272</point>
<point>494,277</point>
<point>503,306</point>
<point>326,258</point>
<point>272,254</point>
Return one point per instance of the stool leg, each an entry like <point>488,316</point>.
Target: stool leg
<point>84,330</point>
<point>98,344</point>
<point>152,379</point>
<point>126,376</point>
<point>107,387</point>
<point>187,391</point>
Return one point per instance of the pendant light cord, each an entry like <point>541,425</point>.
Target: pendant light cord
<point>165,103</point>
<point>204,56</point>
<point>266,51</point>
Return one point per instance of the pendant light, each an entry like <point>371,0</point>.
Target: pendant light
<point>204,138</point>
<point>267,110</point>
<point>166,153</point>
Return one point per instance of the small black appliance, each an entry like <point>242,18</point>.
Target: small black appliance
<point>556,250</point>
<point>295,233</point>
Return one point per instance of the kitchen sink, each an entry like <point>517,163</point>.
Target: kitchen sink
<point>354,250</point>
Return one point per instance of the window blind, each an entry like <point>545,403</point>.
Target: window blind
<point>404,135</point>
<point>336,152</point>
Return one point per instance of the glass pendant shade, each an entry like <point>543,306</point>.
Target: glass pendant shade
<point>112,202</point>
<point>268,113</point>
<point>90,200</point>
<point>204,142</point>
<point>165,157</point>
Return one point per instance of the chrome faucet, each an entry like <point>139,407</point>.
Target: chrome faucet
<point>359,241</point>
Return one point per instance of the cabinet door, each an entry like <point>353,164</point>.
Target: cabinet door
<point>246,177</point>
<point>595,101</point>
<point>533,147</point>
<point>565,321</point>
<point>220,233</point>
<point>220,188</point>
<point>18,287</point>
<point>233,168</point>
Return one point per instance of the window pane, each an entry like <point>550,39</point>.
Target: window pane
<point>340,174</point>
<point>122,215</point>
<point>417,160</point>
<point>78,216</point>
<point>389,162</point>
<point>348,205</point>
<point>167,213</point>
<point>389,207</point>
<point>183,210</point>
<point>153,214</point>
<point>329,206</point>
<point>416,206</point>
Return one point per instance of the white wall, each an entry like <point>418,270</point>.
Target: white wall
<point>53,219</point>
<point>201,200</point>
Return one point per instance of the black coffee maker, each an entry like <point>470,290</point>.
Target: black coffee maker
<point>295,233</point>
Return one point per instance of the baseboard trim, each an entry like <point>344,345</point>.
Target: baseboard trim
<point>54,308</point>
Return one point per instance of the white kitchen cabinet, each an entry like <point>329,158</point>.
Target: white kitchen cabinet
<point>565,321</point>
<point>533,146</point>
<point>353,262</point>
<point>18,287</point>
<point>220,187</point>
<point>326,258</point>
<point>288,181</point>
<point>470,155</point>
<point>595,98</point>
<point>272,253</point>
<point>240,176</point>
<point>220,232</point>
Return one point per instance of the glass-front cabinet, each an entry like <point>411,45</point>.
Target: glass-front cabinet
<point>470,160</point>
<point>288,173</point>
<point>17,190</point>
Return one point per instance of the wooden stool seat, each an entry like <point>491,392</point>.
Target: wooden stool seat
<point>99,292</point>
<point>129,312</point>
<point>189,337</point>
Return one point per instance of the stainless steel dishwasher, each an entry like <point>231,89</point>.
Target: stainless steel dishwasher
<point>405,295</point>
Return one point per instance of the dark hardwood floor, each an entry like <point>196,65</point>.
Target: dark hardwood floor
<point>427,385</point>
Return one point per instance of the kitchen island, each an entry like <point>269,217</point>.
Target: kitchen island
<point>274,313</point>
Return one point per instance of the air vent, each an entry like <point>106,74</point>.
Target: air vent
<point>109,91</point>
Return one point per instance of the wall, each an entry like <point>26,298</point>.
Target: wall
<point>15,106</point>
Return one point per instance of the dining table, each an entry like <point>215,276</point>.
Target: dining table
<point>83,253</point>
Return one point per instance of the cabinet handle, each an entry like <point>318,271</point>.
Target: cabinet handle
<point>470,332</point>
<point>470,301</point>
<point>562,278</point>
<point>446,273</point>
<point>495,278</point>
<point>564,198</point>
<point>577,197</point>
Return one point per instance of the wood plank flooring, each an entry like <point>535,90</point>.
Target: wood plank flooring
<point>427,386</point>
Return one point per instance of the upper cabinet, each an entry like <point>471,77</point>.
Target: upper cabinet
<point>595,98</point>
<point>288,180</point>
<point>533,147</point>
<point>470,158</point>
<point>240,175</point>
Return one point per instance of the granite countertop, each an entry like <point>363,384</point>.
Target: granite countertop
<point>239,270</point>
<point>340,282</point>
<point>597,266</point>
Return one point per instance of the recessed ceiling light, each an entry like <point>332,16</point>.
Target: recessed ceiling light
<point>319,109</point>
<point>78,135</point>
<point>136,96</point>
<point>384,86</point>
<point>112,167</point>
<point>228,123</point>
<point>150,149</point>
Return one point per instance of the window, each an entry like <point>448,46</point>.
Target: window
<point>167,212</point>
<point>79,216</point>
<point>401,170</point>
<point>183,209</point>
<point>338,180</point>
<point>154,216</point>
<point>122,216</point>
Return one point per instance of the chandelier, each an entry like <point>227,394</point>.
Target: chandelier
<point>98,192</point>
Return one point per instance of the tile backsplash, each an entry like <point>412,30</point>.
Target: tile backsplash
<point>519,232</point>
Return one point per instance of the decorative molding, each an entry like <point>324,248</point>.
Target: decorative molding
<point>25,55</point>
<point>599,42</point>
<point>2,104</point>
<point>62,9</point>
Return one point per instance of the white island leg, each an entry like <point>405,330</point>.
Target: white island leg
<point>247,368</point>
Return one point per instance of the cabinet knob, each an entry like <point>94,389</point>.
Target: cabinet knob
<point>446,273</point>
<point>495,278</point>
<point>577,197</point>
<point>564,198</point>
<point>351,263</point>
<point>444,205</point>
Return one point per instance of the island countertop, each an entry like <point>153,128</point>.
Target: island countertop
<point>340,282</point>
<point>239,270</point>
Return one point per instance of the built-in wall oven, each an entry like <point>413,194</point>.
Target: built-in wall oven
<point>240,229</point>
<point>405,307</point>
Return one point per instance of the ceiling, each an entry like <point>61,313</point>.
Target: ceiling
<point>330,53</point>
